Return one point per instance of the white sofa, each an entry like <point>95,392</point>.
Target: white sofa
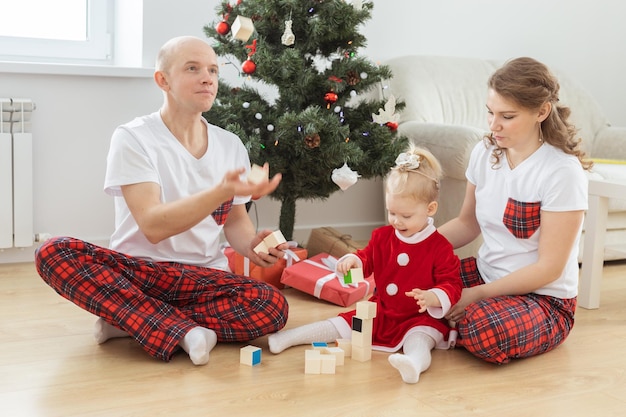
<point>445,112</point>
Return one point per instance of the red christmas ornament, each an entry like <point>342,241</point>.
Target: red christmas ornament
<point>222,28</point>
<point>248,67</point>
<point>393,126</point>
<point>330,98</point>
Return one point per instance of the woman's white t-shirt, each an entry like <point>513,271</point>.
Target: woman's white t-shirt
<point>508,206</point>
<point>144,150</point>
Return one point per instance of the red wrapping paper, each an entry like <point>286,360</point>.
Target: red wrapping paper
<point>241,265</point>
<point>313,277</point>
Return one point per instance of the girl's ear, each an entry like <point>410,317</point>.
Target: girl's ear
<point>432,208</point>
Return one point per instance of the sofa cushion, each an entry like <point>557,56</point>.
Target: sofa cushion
<point>615,171</point>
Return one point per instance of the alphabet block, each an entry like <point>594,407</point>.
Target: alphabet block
<point>250,355</point>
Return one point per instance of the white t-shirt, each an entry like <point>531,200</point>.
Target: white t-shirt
<point>144,150</point>
<point>548,180</point>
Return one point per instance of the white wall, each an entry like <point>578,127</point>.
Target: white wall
<point>76,115</point>
<point>583,38</point>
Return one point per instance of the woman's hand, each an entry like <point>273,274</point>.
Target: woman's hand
<point>468,296</point>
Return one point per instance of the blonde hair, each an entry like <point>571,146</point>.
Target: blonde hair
<point>417,174</point>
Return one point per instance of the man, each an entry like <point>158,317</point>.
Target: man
<point>178,182</point>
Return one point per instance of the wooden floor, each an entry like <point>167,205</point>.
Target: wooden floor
<point>51,366</point>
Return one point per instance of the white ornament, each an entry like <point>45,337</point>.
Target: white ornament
<point>258,116</point>
<point>388,114</point>
<point>344,177</point>
<point>357,4</point>
<point>270,128</point>
<point>392,289</point>
<point>288,37</point>
<point>246,105</point>
<point>403,259</point>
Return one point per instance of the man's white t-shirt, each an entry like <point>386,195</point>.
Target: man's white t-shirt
<point>548,180</point>
<point>144,150</point>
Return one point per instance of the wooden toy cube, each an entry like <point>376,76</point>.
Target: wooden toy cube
<point>338,353</point>
<point>242,28</point>
<point>366,309</point>
<point>328,364</point>
<point>346,346</point>
<point>361,354</point>
<point>321,346</point>
<point>250,355</point>
<point>354,276</point>
<point>275,239</point>
<point>257,174</point>
<point>261,247</point>
<point>312,361</point>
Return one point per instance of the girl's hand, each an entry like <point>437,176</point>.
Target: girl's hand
<point>424,298</point>
<point>345,265</point>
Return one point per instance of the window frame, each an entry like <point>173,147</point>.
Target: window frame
<point>97,49</point>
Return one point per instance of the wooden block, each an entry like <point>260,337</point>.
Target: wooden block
<point>338,353</point>
<point>242,28</point>
<point>361,339</point>
<point>261,247</point>
<point>328,364</point>
<point>362,332</point>
<point>250,355</point>
<point>257,174</point>
<point>361,354</point>
<point>354,276</point>
<point>312,361</point>
<point>346,346</point>
<point>319,345</point>
<point>275,239</point>
<point>365,309</point>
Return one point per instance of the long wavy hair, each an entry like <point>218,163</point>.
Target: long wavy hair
<point>530,84</point>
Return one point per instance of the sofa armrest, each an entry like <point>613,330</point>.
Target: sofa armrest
<point>610,143</point>
<point>450,144</point>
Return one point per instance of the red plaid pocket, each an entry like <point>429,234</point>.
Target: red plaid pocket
<point>221,214</point>
<point>521,218</point>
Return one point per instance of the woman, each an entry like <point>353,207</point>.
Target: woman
<point>526,194</point>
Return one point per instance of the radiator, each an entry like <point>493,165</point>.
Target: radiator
<point>16,173</point>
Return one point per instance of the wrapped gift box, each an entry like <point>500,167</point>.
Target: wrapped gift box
<point>316,276</point>
<point>331,241</point>
<point>241,265</point>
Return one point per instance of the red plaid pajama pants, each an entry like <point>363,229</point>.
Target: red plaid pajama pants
<point>157,303</point>
<point>502,328</point>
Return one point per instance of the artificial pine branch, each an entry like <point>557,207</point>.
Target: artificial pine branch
<point>302,132</point>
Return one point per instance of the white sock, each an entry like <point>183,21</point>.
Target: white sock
<point>103,331</point>
<point>198,343</point>
<point>321,331</point>
<point>416,357</point>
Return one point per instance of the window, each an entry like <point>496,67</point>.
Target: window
<point>61,31</point>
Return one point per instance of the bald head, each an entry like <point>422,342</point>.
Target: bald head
<point>172,48</point>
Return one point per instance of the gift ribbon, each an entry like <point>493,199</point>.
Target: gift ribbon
<point>319,284</point>
<point>329,264</point>
<point>290,256</point>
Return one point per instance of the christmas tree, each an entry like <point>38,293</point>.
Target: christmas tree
<point>317,127</point>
